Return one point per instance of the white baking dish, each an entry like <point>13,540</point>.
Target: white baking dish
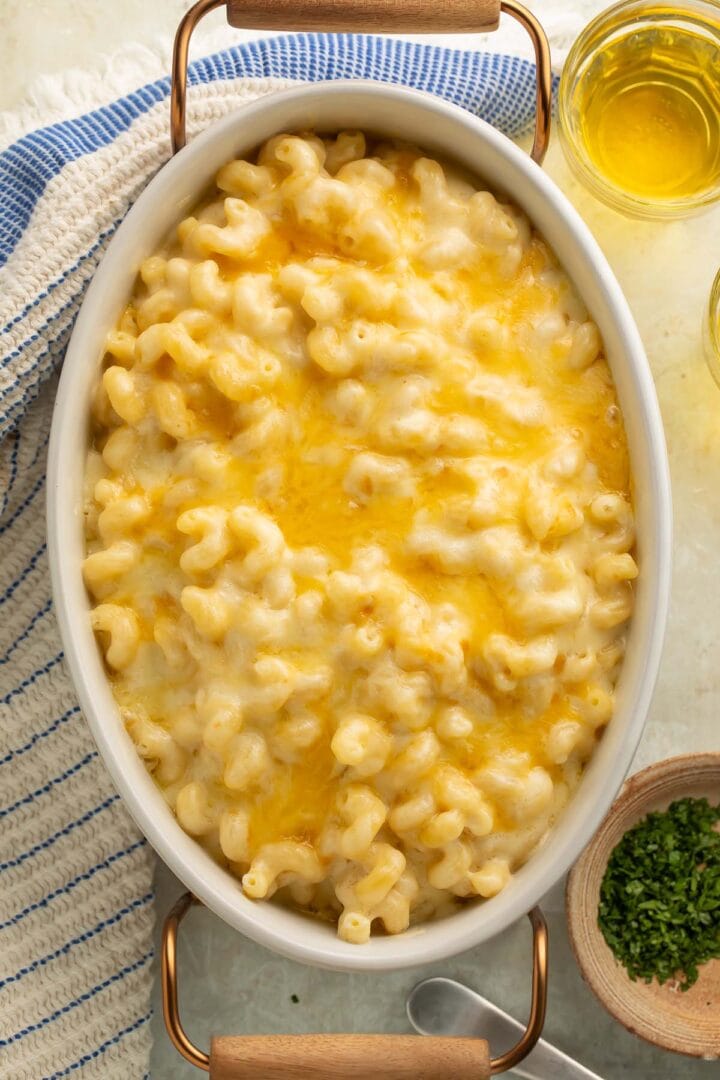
<point>445,130</point>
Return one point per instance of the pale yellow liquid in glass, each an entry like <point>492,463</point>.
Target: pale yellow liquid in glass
<point>650,113</point>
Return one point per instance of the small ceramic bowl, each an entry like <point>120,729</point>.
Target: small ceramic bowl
<point>686,1022</point>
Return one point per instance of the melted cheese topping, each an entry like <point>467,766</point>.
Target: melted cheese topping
<point>359,529</point>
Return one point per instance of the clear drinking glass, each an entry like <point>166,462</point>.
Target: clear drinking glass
<point>671,49</point>
<point>711,330</point>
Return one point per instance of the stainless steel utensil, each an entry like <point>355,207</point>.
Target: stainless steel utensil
<point>445,1007</point>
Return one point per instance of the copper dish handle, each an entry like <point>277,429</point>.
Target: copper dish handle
<point>417,16</point>
<point>361,1057</point>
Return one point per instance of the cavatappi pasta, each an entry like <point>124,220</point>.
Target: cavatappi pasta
<point>359,530</point>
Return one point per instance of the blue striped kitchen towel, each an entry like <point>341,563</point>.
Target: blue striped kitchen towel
<point>76,901</point>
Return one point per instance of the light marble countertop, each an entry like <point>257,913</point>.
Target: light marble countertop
<point>233,985</point>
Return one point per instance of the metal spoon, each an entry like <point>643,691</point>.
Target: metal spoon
<point>445,1007</point>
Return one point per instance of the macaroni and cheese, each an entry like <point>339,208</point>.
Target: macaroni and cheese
<point>359,530</point>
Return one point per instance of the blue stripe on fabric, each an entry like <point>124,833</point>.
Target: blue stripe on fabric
<point>47,788</point>
<point>13,465</point>
<point>37,335</point>
<point>31,679</point>
<point>26,633</point>
<point>500,88</point>
<point>54,349</point>
<point>39,449</point>
<point>13,474</point>
<point>24,573</point>
<point>87,935</point>
<point>16,413</point>
<point>11,754</point>
<point>49,841</point>
<point>117,976</point>
<point>103,236</point>
<point>87,875</point>
<point>23,505</point>
<point>100,1050</point>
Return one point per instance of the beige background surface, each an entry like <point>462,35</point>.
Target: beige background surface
<point>666,271</point>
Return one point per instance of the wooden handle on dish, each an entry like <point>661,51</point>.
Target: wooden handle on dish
<point>350,1057</point>
<point>390,16</point>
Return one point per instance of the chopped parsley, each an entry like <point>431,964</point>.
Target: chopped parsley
<point>660,896</point>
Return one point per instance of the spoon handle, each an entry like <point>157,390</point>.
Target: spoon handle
<point>443,1006</point>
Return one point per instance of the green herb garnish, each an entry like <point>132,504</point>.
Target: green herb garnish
<point>660,896</point>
